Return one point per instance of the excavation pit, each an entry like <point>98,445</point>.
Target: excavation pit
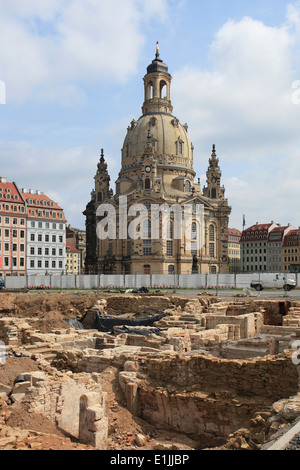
<point>201,372</point>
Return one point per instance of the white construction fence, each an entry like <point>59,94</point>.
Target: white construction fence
<point>121,281</point>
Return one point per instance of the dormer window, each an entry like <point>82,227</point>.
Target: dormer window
<point>179,147</point>
<point>187,186</point>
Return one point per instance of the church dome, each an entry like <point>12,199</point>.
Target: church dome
<point>169,138</point>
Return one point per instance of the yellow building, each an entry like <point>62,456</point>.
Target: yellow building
<point>157,171</point>
<point>291,252</point>
<point>234,250</point>
<point>72,259</point>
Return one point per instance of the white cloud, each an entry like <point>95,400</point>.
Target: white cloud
<point>46,43</point>
<point>243,104</point>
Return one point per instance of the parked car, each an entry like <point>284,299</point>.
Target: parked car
<point>279,281</point>
<point>2,283</point>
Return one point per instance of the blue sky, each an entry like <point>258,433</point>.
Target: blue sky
<point>73,72</point>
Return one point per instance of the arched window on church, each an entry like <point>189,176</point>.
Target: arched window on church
<point>194,231</point>
<point>163,89</point>
<point>99,197</point>
<point>179,147</point>
<point>214,193</point>
<point>149,91</point>
<point>170,230</point>
<point>147,229</point>
<point>171,269</point>
<point>187,186</point>
<point>147,183</point>
<point>211,234</point>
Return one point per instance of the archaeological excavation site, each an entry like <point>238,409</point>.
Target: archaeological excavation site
<point>147,371</point>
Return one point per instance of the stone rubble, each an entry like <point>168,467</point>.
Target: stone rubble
<point>213,371</point>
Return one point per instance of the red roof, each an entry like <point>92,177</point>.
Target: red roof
<point>10,193</point>
<point>257,232</point>
<point>11,202</point>
<point>292,238</point>
<point>71,248</point>
<point>235,232</point>
<point>39,203</point>
<point>234,235</point>
<point>277,234</point>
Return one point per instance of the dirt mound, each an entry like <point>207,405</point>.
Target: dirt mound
<point>15,366</point>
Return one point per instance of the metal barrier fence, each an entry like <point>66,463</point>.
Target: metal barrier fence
<point>102,281</point>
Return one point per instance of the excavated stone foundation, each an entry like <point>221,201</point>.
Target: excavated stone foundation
<point>206,369</point>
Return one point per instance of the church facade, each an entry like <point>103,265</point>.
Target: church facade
<point>157,177</point>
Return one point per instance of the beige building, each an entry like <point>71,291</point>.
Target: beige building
<point>72,259</point>
<point>234,250</point>
<point>157,171</point>
<point>77,238</point>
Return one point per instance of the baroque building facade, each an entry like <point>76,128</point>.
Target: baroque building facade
<point>157,172</point>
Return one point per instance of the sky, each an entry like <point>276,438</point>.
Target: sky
<point>71,81</point>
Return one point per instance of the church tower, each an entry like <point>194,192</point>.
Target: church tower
<point>157,171</point>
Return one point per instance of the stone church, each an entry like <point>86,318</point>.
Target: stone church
<point>157,172</point>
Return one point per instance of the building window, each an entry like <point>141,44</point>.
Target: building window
<point>187,186</point>
<point>214,193</point>
<point>171,269</point>
<point>170,230</point>
<point>129,248</point>
<point>147,183</point>
<point>147,269</point>
<point>147,228</point>
<point>212,250</point>
<point>169,248</point>
<point>211,233</point>
<point>179,147</point>
<point>146,247</point>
